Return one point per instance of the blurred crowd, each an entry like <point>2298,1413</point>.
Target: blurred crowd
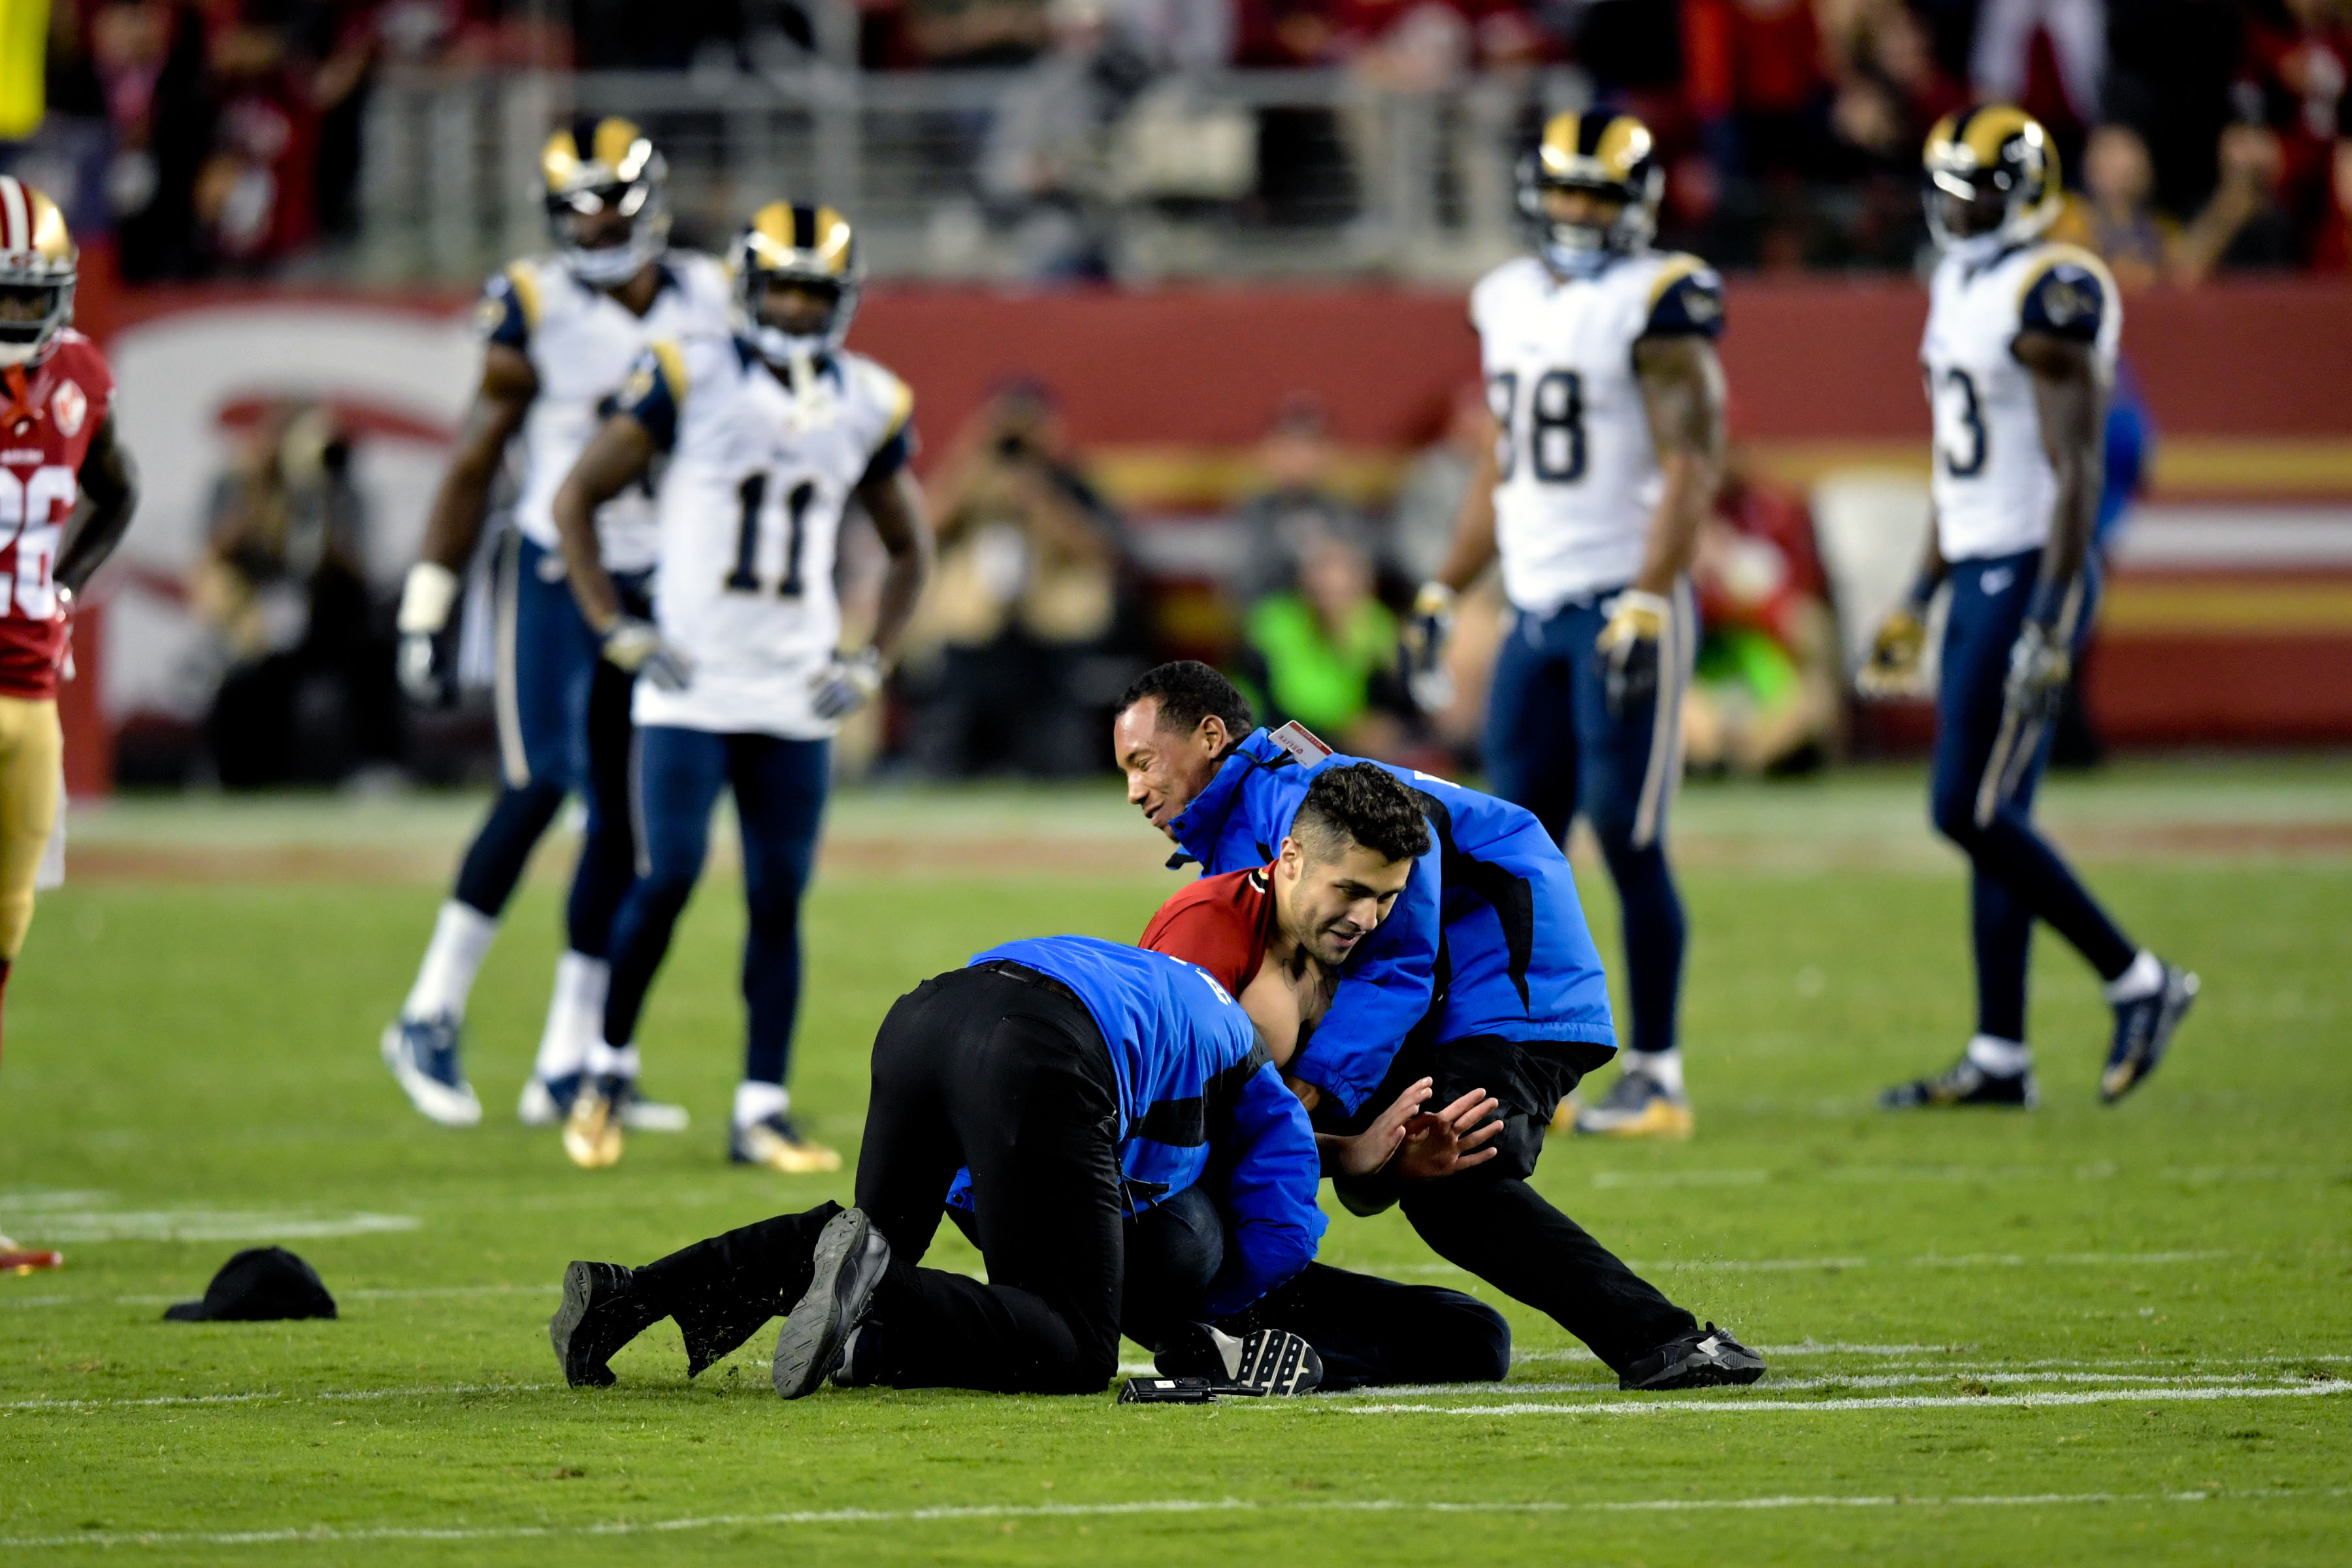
<point>2199,133</point>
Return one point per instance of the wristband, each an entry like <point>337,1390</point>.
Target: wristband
<point>2049,599</point>
<point>427,598</point>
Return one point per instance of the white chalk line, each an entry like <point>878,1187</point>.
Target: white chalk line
<point>330,1534</point>
<point>266,1396</point>
<point>1929,1260</point>
<point>1774,1383</point>
<point>1741,1406</point>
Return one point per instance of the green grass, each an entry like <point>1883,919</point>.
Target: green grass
<point>191,1067</point>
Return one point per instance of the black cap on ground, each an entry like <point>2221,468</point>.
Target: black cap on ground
<point>261,1284</point>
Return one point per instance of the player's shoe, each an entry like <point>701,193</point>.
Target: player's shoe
<point>1964,1083</point>
<point>592,1129</point>
<point>851,1257</point>
<point>639,1114</point>
<point>422,1055</point>
<point>1703,1358</point>
<point>1263,1362</point>
<point>1636,1106</point>
<point>598,1318</point>
<point>2144,1028</point>
<point>775,1142</point>
<point>546,1101</point>
<point>861,1358</point>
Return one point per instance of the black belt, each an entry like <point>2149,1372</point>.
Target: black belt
<point>1028,976</point>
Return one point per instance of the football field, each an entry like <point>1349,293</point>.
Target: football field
<point>2085,1335</point>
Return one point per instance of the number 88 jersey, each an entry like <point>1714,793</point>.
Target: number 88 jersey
<point>1992,483</point>
<point>760,475</point>
<point>1577,473</point>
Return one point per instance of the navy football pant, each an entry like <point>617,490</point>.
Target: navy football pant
<point>1553,747</point>
<point>563,725</point>
<point>2017,876</point>
<point>779,787</point>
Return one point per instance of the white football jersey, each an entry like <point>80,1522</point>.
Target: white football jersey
<point>1578,474</point>
<point>582,342</point>
<point>751,507</point>
<point>1994,485</point>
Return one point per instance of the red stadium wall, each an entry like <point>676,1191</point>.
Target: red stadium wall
<point>1167,390</point>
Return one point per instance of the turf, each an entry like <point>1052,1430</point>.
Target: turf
<point>2088,1334</point>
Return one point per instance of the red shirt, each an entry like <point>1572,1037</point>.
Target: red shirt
<point>48,417</point>
<point>1224,924</point>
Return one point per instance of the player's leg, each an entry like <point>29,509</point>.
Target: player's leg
<point>1529,742</point>
<point>32,749</point>
<point>1372,1330</point>
<point>676,777</point>
<point>780,788</point>
<point>535,662</point>
<point>1628,770</point>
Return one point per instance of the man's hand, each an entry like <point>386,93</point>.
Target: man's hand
<point>1424,648</point>
<point>1896,654</point>
<point>2039,667</point>
<point>1367,1151</point>
<point>1637,621</point>
<point>637,647</point>
<point>425,600</point>
<point>848,682</point>
<point>1450,1139</point>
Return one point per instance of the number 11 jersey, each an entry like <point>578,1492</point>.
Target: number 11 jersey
<point>760,475</point>
<point>1577,473</point>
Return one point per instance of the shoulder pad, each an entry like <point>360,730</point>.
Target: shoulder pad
<point>653,392</point>
<point>2067,293</point>
<point>1685,300</point>
<point>509,306</point>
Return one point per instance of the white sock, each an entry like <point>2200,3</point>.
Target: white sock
<point>461,939</point>
<point>2144,978</point>
<point>611,1061</point>
<point>575,1016</point>
<point>756,1102</point>
<point>1663,1069</point>
<point>2000,1057</point>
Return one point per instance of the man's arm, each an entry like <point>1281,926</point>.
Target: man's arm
<point>1683,392</point>
<point>1271,1195</point>
<point>454,526</point>
<point>614,459</point>
<point>110,488</point>
<point>1474,521</point>
<point>896,506</point>
<point>2070,400</point>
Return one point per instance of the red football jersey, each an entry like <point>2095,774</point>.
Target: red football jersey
<point>1223,923</point>
<point>48,417</point>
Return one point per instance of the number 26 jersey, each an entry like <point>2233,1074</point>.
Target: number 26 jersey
<point>1992,483</point>
<point>1577,474</point>
<point>760,475</point>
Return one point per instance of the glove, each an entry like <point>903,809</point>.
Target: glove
<point>1896,654</point>
<point>425,600</point>
<point>2039,666</point>
<point>637,647</point>
<point>1422,649</point>
<point>848,682</point>
<point>1628,644</point>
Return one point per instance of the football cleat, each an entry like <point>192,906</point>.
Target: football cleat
<point>2144,1028</point>
<point>1964,1083</point>
<point>639,1114</point>
<point>1261,1363</point>
<point>1636,1106</point>
<point>851,1257</point>
<point>548,1100</point>
<point>598,1318</point>
<point>422,1055</point>
<point>1703,1358</point>
<point>592,1130</point>
<point>775,1142</point>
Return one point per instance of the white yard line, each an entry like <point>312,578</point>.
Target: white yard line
<point>332,1535</point>
<point>1930,1260</point>
<point>1742,1406</point>
<point>1860,1380</point>
<point>453,1388</point>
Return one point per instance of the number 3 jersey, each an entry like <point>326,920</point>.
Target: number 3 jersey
<point>1993,486</point>
<point>48,421</point>
<point>761,474</point>
<point>1577,472</point>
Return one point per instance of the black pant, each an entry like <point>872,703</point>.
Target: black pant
<point>1001,1070</point>
<point>1367,1330</point>
<point>1489,1221</point>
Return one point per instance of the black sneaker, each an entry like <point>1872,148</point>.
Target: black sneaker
<point>861,1357</point>
<point>851,1256</point>
<point>1263,1362</point>
<point>1703,1358</point>
<point>598,1318</point>
<point>2143,1029</point>
<point>1964,1083</point>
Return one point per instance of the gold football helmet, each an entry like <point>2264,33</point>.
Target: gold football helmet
<point>596,169</point>
<point>1991,169</point>
<point>812,246</point>
<point>1611,155</point>
<point>37,268</point>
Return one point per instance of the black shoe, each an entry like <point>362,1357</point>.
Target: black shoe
<point>2143,1029</point>
<point>1703,1358</point>
<point>851,1256</point>
<point>1263,1362</point>
<point>1963,1083</point>
<point>861,1357</point>
<point>599,1315</point>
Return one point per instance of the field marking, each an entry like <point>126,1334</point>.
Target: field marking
<point>1926,1261</point>
<point>1774,1385</point>
<point>264,1395</point>
<point>88,1227</point>
<point>329,1535</point>
<point>1740,1406</point>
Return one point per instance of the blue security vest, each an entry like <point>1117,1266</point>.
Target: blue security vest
<point>1488,928</point>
